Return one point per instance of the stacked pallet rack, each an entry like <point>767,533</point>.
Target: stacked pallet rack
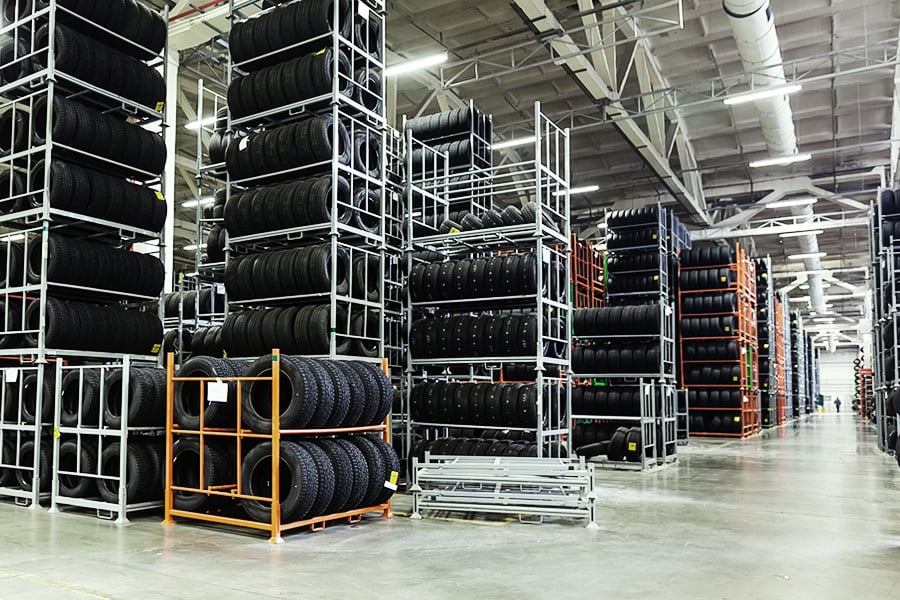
<point>80,164</point>
<point>812,374</point>
<point>719,342</point>
<point>587,275</point>
<point>625,357</point>
<point>798,365</point>
<point>306,181</point>
<point>884,240</point>
<point>767,334</point>
<point>866,392</point>
<point>488,307</point>
<point>283,478</point>
<point>781,373</point>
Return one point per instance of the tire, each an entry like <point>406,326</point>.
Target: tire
<point>298,489</point>
<point>70,457</point>
<point>359,470</point>
<point>325,476</point>
<point>80,398</point>
<point>30,385</point>
<point>343,474</point>
<point>217,470</point>
<point>138,479</point>
<point>299,400</point>
<point>376,468</point>
<point>141,400</point>
<point>24,476</point>
<point>186,396</point>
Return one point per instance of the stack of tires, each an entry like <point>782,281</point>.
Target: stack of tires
<point>714,347</point>
<point>630,339</point>
<point>320,475</point>
<point>81,158</point>
<point>765,332</point>
<point>798,365</point>
<point>463,134</point>
<point>304,157</point>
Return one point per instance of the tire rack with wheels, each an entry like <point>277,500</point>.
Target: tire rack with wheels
<point>780,368</point>
<point>37,74</point>
<point>768,377</point>
<point>362,238</point>
<point>743,332</point>
<point>656,416</point>
<point>94,433</point>
<point>546,179</point>
<point>798,365</point>
<point>241,435</point>
<point>587,275</point>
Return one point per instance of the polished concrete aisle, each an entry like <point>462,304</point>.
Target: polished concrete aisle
<point>807,512</point>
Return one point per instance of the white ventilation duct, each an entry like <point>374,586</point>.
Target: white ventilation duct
<point>753,27</point>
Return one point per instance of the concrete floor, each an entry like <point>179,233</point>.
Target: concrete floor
<point>810,511</point>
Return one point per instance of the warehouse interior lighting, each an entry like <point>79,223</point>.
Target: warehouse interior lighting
<point>808,201</point>
<point>794,234</point>
<point>415,65</point>
<point>194,247</point>
<point>780,161</point>
<point>578,190</point>
<point>193,125</point>
<point>807,255</point>
<point>525,141</point>
<point>201,202</point>
<point>761,94</point>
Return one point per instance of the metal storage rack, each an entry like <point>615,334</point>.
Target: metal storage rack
<point>799,398</point>
<point>545,236</point>
<point>767,335</point>
<point>743,419</point>
<point>642,251</point>
<point>233,488</point>
<point>587,275</point>
<point>355,229</point>
<point>781,372</point>
<point>92,434</point>
<point>32,81</point>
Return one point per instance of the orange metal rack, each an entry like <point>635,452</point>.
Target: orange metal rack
<point>234,491</point>
<point>587,275</point>
<point>744,288</point>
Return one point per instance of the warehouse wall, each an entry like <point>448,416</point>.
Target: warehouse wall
<point>837,377</point>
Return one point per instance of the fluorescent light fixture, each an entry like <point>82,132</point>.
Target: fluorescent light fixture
<point>525,141</point>
<point>415,65</point>
<point>601,225</point>
<point>794,234</point>
<point>194,125</point>
<point>809,201</point>
<point>194,247</point>
<point>578,190</point>
<point>780,161</point>
<point>805,286</point>
<point>763,93</point>
<point>201,202</point>
<point>816,272</point>
<point>807,255</point>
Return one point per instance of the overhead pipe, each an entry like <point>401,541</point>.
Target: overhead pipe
<point>753,28</point>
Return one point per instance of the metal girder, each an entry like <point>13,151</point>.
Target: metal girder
<point>780,225</point>
<point>603,90</point>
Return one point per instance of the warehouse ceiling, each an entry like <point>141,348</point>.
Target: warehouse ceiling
<point>640,85</point>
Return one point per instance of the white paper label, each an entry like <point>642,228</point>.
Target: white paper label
<point>390,486</point>
<point>12,375</point>
<point>217,391</point>
<point>245,141</point>
<point>364,10</point>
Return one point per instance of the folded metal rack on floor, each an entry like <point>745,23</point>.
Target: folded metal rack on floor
<point>540,487</point>
<point>235,491</point>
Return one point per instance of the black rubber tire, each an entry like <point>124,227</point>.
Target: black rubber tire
<point>73,459</point>
<point>218,469</point>
<point>299,399</point>
<point>377,470</point>
<point>138,479</point>
<point>299,481</point>
<point>24,476</point>
<point>83,384</point>
<point>359,469</point>
<point>325,475</point>
<point>343,474</point>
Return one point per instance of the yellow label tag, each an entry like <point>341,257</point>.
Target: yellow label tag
<point>224,354</point>
<point>160,106</point>
<point>727,329</point>
<point>656,278</point>
<point>454,230</point>
<point>734,378</point>
<point>737,419</point>
<point>155,349</point>
<point>394,477</point>
<point>321,52</point>
<point>654,236</point>
<point>632,447</point>
<point>723,279</point>
<point>56,433</point>
<point>159,195</point>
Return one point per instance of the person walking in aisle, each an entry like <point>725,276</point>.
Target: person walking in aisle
<point>837,405</point>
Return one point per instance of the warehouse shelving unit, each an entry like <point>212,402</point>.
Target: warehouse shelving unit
<point>353,234</point>
<point>587,275</point>
<point>540,240</point>
<point>799,398</point>
<point>781,372</point>
<point>640,262</point>
<point>233,489</point>
<point>41,83</point>
<point>737,415</point>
